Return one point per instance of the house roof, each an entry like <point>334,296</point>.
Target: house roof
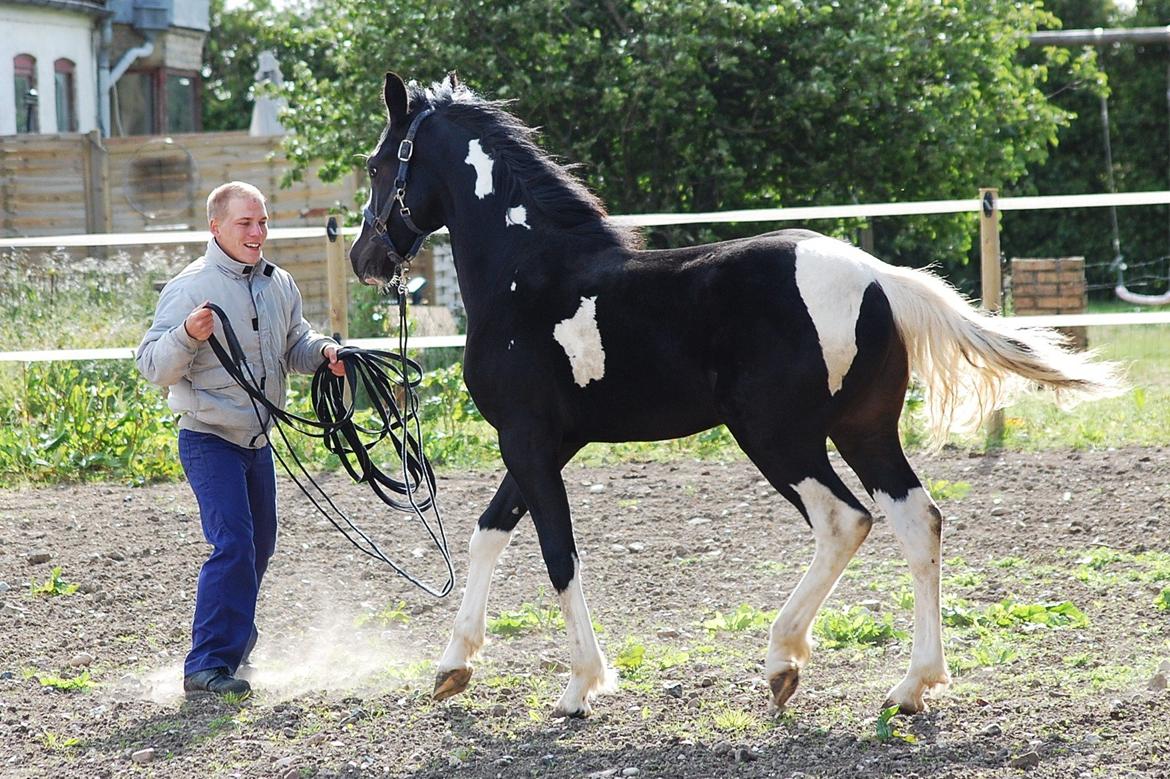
<point>84,6</point>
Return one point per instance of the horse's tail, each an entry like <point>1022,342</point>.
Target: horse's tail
<point>971,362</point>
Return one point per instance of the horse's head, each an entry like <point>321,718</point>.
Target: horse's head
<point>405,205</point>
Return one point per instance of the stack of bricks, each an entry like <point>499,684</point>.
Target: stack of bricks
<point>1051,286</point>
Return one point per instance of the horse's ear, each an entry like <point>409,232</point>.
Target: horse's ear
<point>394,96</point>
<point>453,78</point>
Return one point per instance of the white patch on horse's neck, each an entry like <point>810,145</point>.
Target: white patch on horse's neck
<point>517,215</point>
<point>832,277</point>
<point>478,159</point>
<point>581,340</point>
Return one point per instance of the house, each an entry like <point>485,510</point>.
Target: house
<point>124,67</point>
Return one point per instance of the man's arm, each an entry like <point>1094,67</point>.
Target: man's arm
<point>168,347</point>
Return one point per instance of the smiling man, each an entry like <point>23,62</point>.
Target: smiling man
<point>223,438</point>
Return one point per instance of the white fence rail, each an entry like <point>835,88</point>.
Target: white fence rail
<point>802,213</point>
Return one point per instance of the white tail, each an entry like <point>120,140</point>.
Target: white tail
<point>972,363</point>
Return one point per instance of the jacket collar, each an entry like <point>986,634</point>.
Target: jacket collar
<point>234,268</point>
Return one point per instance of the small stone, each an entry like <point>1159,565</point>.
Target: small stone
<point>605,774</point>
<point>667,633</point>
<point>292,773</point>
<point>316,738</point>
<point>80,660</point>
<point>673,689</point>
<point>596,488</point>
<point>1029,759</point>
<point>1092,739</point>
<point>1164,667</point>
<point>745,755</point>
<point>289,732</point>
<point>999,511</point>
<point>143,755</point>
<point>872,605</point>
<point>618,549</point>
<point>548,760</point>
<point>637,546</point>
<point>284,762</point>
<point>631,771</point>
<point>498,710</point>
<point>3,586</point>
<point>991,731</point>
<point>1158,682</point>
<point>698,521</point>
<point>36,558</point>
<point>114,555</point>
<point>721,747</point>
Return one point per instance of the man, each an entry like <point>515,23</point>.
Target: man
<point>223,443</point>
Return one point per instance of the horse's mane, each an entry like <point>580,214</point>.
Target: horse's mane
<point>529,173</point>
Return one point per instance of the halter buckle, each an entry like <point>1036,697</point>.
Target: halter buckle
<point>405,150</point>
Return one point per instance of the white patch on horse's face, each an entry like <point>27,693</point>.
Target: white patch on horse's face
<point>517,215</point>
<point>478,159</point>
<point>513,287</point>
<point>581,340</point>
<point>832,277</point>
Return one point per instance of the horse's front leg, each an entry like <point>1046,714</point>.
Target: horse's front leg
<point>491,536</point>
<point>533,462</point>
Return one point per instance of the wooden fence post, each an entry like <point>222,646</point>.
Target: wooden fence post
<point>335,273</point>
<point>96,161</point>
<point>991,289</point>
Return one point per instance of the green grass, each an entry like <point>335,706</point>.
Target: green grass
<point>79,683</point>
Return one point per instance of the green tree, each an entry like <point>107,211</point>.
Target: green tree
<point>1134,77</point>
<point>686,105</point>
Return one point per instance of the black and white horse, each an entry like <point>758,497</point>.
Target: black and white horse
<point>574,335</point>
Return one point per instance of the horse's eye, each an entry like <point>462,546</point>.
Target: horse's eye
<point>373,171</point>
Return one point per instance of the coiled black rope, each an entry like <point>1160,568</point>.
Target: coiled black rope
<point>379,373</point>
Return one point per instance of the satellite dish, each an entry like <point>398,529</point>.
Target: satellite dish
<point>161,179</point>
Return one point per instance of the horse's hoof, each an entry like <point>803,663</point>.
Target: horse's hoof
<point>574,714</point>
<point>783,686</point>
<point>453,682</point>
<point>905,707</point>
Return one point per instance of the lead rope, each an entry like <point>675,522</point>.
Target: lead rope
<point>379,372</point>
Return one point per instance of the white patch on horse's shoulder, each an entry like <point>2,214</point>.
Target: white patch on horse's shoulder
<point>832,277</point>
<point>517,215</point>
<point>581,340</point>
<point>479,159</point>
<point>513,287</point>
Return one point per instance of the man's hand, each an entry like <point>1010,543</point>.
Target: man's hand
<point>199,324</point>
<point>335,365</point>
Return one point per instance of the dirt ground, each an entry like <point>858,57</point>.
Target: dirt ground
<point>346,660</point>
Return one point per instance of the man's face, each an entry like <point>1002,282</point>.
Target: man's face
<point>242,230</point>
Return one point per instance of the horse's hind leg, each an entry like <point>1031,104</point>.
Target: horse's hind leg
<point>799,469</point>
<point>879,462</point>
<point>491,537</point>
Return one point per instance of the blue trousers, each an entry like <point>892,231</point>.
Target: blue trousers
<point>236,491</point>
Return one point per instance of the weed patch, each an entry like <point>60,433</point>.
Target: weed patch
<point>854,627</point>
<point>55,585</point>
<point>746,617</point>
<point>79,683</point>
<point>529,617</point>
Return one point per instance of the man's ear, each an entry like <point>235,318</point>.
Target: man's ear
<point>394,96</point>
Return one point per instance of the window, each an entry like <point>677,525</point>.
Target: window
<point>63,71</point>
<point>181,104</point>
<point>136,104</point>
<point>24,69</point>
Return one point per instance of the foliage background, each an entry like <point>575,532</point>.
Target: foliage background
<point>685,105</point>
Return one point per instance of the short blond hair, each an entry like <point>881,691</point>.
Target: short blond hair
<point>219,198</point>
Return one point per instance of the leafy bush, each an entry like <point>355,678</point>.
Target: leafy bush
<point>745,617</point>
<point>855,626</point>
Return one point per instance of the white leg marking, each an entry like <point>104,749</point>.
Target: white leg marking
<point>581,340</point>
<point>839,530</point>
<point>517,216</point>
<point>918,525</point>
<point>832,279</point>
<point>589,673</point>
<point>478,159</point>
<point>467,635</point>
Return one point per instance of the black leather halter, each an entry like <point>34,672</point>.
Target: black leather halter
<point>380,223</point>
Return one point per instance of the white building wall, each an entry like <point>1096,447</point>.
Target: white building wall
<point>48,34</point>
